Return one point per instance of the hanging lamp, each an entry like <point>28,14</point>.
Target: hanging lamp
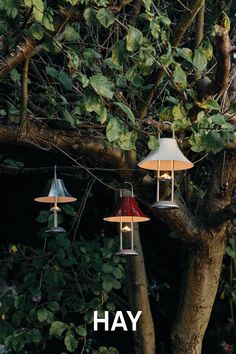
<point>166,159</point>
<point>127,212</point>
<point>55,192</point>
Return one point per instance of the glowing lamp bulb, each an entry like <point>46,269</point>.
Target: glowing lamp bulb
<point>126,229</point>
<point>165,176</point>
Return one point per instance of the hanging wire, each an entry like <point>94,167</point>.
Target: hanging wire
<point>80,165</point>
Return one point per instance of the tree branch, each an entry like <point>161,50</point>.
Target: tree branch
<point>23,51</point>
<point>219,217</point>
<point>224,49</point>
<point>24,98</point>
<point>30,47</point>
<point>178,31</point>
<point>74,143</point>
<point>182,221</point>
<point>218,200</point>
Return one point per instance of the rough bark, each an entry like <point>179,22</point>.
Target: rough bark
<point>138,298</point>
<point>24,98</point>
<point>72,142</point>
<point>186,225</point>
<point>199,287</point>
<point>207,87</point>
<point>202,269</point>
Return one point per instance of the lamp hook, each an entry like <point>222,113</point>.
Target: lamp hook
<point>132,188</point>
<point>170,123</point>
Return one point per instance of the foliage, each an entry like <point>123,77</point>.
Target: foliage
<point>100,71</point>
<point>97,65</point>
<point>55,290</point>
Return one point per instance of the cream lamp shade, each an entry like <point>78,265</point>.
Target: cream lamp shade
<point>166,157</point>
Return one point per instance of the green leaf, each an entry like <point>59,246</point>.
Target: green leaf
<point>11,8</point>
<point>224,21</point>
<point>73,2</point>
<point>57,328</point>
<point>71,342</point>
<point>127,140</point>
<point>81,331</point>
<point>36,31</point>
<point>207,49</point>
<point>73,62</point>
<point>69,209</point>
<point>71,34</point>
<point>147,4</point>
<point>126,110</point>
<point>102,115</point>
<point>119,53</point>
<point>92,103</point>
<point>197,141</point>
<point>230,252</point>
<point>48,21</point>
<point>117,273</point>
<point>155,28</point>
<point>13,162</point>
<point>53,306</point>
<point>38,10</point>
<point>180,77</point>
<point>14,75</point>
<point>34,335</point>
<point>105,17</point>
<point>114,129</point>
<point>52,72</point>
<point>217,119</point>
<point>90,16</point>
<point>83,79</point>
<point>199,59</point>
<point>107,268</point>
<point>43,216</point>
<point>134,39</point>
<point>69,118</point>
<point>153,143</point>
<point>28,3</point>
<point>185,53</point>
<point>102,85</point>
<point>210,104</point>
<point>167,58</point>
<point>179,112</point>
<point>43,314</point>
<point>165,21</point>
<point>107,285</point>
<point>214,141</point>
<point>66,81</point>
<point>116,284</point>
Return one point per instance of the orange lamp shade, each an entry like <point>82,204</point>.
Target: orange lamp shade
<point>127,210</point>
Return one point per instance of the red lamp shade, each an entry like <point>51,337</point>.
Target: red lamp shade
<point>127,210</point>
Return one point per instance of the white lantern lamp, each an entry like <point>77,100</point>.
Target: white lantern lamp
<point>166,158</point>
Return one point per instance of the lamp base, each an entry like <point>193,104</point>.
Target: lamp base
<point>55,230</point>
<point>165,204</point>
<point>126,252</point>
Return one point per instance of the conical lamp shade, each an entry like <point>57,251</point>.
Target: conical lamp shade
<point>168,156</point>
<point>127,210</point>
<point>55,188</point>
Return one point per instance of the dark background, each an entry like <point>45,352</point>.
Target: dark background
<point>163,254</point>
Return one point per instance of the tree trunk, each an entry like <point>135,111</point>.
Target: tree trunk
<point>199,287</point>
<point>144,337</point>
